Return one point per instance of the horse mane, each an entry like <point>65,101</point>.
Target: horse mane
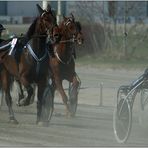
<point>31,29</point>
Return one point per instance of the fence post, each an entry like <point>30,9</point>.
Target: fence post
<point>101,94</point>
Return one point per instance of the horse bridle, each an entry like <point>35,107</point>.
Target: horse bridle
<point>71,40</point>
<point>37,59</point>
<point>46,28</point>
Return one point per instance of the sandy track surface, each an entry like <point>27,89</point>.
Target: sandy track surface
<point>92,125</point>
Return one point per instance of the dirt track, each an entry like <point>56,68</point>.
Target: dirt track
<point>92,125</point>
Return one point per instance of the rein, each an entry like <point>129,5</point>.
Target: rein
<point>4,46</point>
<point>38,36</point>
<point>70,41</point>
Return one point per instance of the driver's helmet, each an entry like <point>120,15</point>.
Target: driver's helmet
<point>2,27</point>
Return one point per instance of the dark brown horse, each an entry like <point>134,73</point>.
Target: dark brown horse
<point>63,64</point>
<point>32,67</point>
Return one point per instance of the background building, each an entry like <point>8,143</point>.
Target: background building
<point>24,11</point>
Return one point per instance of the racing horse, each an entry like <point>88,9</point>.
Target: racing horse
<point>32,67</point>
<point>62,63</point>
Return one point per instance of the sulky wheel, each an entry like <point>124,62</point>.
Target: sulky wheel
<point>143,109</point>
<point>144,98</point>
<point>122,92</point>
<point>2,97</point>
<point>73,99</point>
<point>47,105</point>
<point>122,121</point>
<point>73,96</point>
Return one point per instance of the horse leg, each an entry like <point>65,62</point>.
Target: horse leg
<point>29,89</point>
<point>20,92</point>
<point>6,87</point>
<point>60,88</point>
<point>53,88</point>
<point>39,105</point>
<point>13,68</point>
<point>73,93</point>
<point>9,104</point>
<point>26,101</point>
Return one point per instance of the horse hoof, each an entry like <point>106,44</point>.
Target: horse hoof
<point>31,102</point>
<point>57,114</point>
<point>13,121</point>
<point>23,102</point>
<point>43,124</point>
<point>17,103</point>
<point>72,115</point>
<point>69,115</point>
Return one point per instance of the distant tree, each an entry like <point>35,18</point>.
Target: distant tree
<point>91,14</point>
<point>112,8</point>
<point>115,28</point>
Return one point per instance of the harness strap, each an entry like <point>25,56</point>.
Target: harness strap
<point>35,56</point>
<point>4,46</point>
<point>59,57</point>
<point>56,54</point>
<point>72,40</point>
<point>13,43</point>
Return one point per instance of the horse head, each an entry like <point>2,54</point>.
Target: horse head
<point>79,35</point>
<point>72,28</point>
<point>46,20</point>
<point>68,27</point>
<point>56,34</point>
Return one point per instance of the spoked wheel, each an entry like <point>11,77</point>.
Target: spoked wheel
<point>73,100</point>
<point>122,121</point>
<point>33,95</point>
<point>122,92</point>
<point>47,108</point>
<point>1,98</point>
<point>143,116</point>
<point>73,96</point>
<point>144,98</point>
<point>73,105</point>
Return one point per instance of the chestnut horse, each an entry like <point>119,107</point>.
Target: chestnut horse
<point>63,64</point>
<point>32,68</point>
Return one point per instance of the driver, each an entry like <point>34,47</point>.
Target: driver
<point>21,43</point>
<point>1,30</point>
